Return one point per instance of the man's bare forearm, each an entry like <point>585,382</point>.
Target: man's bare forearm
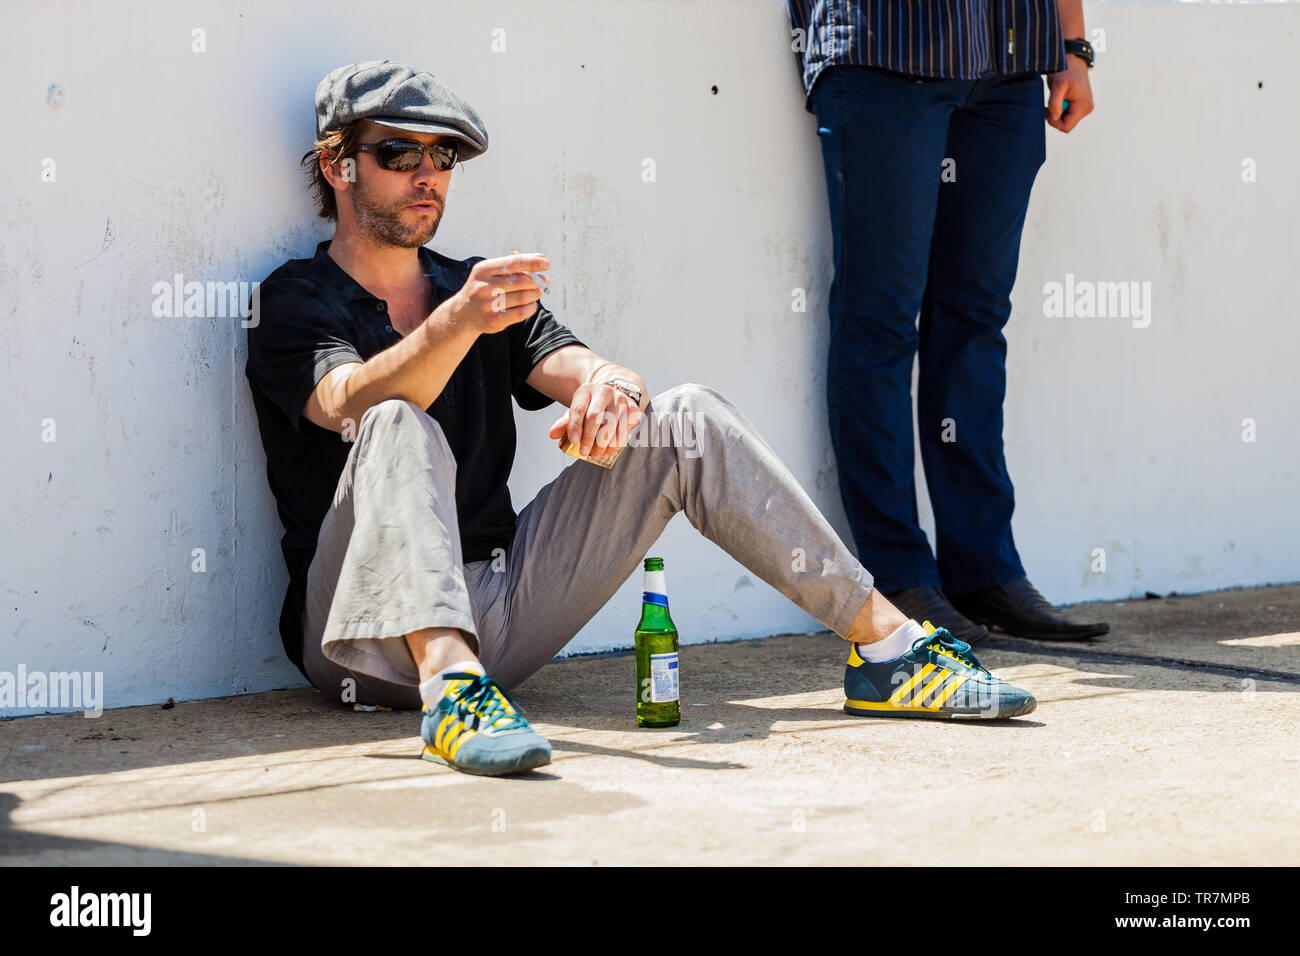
<point>416,369</point>
<point>561,373</point>
<point>499,293</point>
<point>1070,13</point>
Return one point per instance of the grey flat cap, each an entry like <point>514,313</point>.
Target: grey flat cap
<point>396,95</point>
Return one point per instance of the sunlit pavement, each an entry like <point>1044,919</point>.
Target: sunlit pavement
<point>1171,740</point>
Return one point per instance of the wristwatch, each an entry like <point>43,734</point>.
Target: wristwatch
<point>627,388</point>
<point>1080,48</point>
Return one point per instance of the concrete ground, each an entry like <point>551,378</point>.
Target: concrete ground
<point>1173,740</point>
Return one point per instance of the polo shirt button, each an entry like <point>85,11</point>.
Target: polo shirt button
<point>388,328</point>
<point>379,307</point>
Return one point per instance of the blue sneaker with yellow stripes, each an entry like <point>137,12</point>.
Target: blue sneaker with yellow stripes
<point>476,728</point>
<point>938,677</point>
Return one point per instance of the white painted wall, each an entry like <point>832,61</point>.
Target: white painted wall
<point>170,161</point>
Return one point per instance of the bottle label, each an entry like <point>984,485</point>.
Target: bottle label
<point>663,678</point>
<point>650,597</point>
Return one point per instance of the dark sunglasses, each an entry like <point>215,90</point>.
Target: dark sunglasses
<point>404,155</point>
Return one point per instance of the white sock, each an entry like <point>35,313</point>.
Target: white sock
<point>895,645</point>
<point>431,691</point>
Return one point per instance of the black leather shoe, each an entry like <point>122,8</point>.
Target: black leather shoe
<point>1017,608</point>
<point>929,604</point>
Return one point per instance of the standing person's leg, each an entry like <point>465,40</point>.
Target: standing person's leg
<point>584,533</point>
<point>996,140</point>
<point>883,137</point>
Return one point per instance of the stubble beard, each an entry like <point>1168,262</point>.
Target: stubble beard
<point>381,222</point>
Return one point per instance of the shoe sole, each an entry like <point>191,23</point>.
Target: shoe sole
<point>525,762</point>
<point>924,713</point>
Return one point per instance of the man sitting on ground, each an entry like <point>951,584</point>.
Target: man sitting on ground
<point>382,374</point>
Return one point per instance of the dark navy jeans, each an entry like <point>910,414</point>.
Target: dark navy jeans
<point>907,244</point>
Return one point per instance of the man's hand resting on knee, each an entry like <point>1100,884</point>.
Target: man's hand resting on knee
<point>600,416</point>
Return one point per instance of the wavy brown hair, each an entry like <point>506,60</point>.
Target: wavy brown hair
<point>336,145</point>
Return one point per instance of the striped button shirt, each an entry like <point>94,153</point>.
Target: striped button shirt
<point>959,39</point>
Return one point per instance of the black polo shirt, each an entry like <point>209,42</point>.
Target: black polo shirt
<point>313,316</point>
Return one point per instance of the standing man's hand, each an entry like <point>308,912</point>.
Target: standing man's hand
<point>1070,84</point>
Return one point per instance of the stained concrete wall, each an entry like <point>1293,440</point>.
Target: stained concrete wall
<point>170,161</point>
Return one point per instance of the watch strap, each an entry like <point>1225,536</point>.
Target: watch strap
<point>1081,48</point>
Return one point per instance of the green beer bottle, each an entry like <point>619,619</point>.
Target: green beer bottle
<point>658,701</point>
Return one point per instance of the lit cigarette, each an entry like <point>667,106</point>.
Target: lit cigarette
<point>533,275</point>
